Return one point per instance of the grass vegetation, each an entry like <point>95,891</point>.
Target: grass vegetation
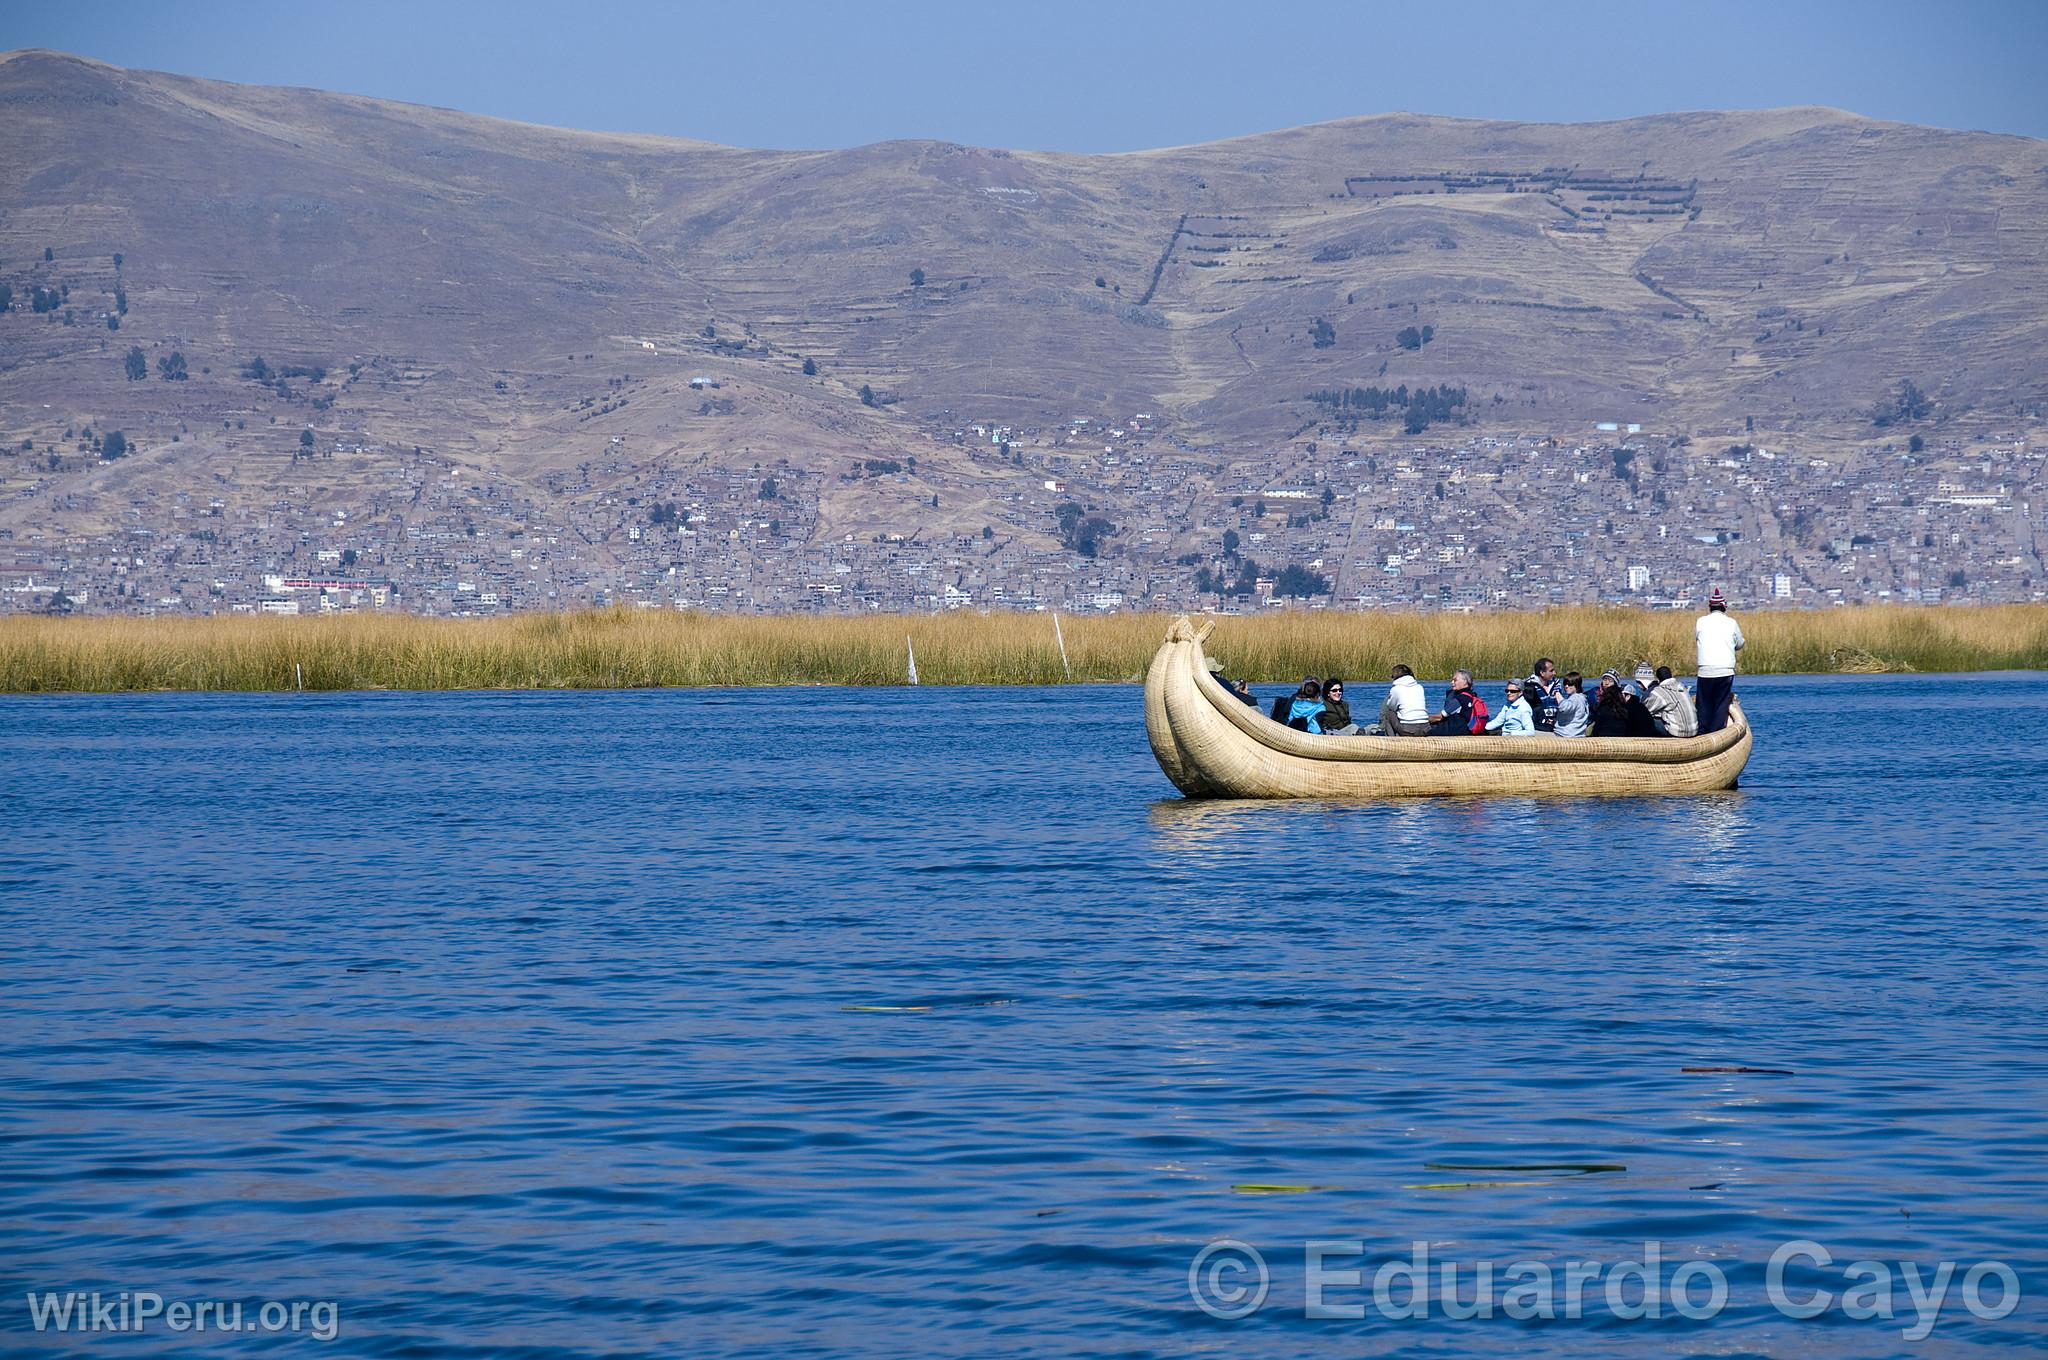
<point>617,648</point>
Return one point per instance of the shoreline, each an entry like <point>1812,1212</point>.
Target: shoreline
<point>623,648</point>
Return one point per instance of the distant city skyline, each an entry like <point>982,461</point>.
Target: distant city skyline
<point>1068,77</point>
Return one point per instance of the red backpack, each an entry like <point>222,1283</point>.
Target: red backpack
<point>1479,714</point>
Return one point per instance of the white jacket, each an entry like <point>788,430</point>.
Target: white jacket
<point>1410,705</point>
<point>1718,638</point>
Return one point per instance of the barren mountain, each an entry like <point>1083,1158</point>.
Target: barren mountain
<point>530,301</point>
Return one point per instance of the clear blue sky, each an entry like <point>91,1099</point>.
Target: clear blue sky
<point>1101,76</point>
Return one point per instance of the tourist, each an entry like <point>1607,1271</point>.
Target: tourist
<point>1618,713</point>
<point>1464,712</point>
<point>1544,693</point>
<point>1336,719</point>
<point>1306,708</point>
<point>1573,713</point>
<point>1240,689</point>
<point>1278,713</point>
<point>1670,707</point>
<point>1718,639</point>
<point>1515,718</point>
<point>1406,710</point>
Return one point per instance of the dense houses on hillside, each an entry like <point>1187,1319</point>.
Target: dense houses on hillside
<point>1612,513</point>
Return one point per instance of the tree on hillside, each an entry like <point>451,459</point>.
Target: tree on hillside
<point>348,557</point>
<point>256,369</point>
<point>48,254</point>
<point>1411,338</point>
<point>1300,583</point>
<point>810,368</point>
<point>6,298</point>
<point>867,395</point>
<point>1230,542</point>
<point>135,365</point>
<point>113,322</point>
<point>121,300</point>
<point>768,491</point>
<point>1915,444</point>
<point>171,368</point>
<point>1322,333</point>
<point>917,278</point>
<point>306,442</point>
<point>1908,403</point>
<point>114,445</point>
<point>1080,531</point>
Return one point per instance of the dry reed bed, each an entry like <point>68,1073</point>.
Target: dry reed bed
<point>625,648</point>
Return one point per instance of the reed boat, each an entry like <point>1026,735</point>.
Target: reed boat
<point>1212,744</point>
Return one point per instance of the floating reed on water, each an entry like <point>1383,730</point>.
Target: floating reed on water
<point>614,648</point>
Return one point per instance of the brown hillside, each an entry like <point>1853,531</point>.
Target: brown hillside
<point>494,283</point>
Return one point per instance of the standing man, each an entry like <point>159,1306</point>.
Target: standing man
<point>1718,638</point>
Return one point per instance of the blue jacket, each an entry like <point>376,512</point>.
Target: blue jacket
<point>1310,709</point>
<point>1514,720</point>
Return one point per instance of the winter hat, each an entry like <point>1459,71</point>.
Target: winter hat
<point>1717,600</point>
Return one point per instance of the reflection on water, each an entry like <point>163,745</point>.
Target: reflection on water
<point>572,1025</point>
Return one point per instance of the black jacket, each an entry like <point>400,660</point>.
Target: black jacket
<point>1622,716</point>
<point>1457,719</point>
<point>1543,702</point>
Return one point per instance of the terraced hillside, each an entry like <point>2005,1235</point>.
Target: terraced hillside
<point>546,304</point>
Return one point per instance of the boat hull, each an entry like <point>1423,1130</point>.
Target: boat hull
<point>1211,744</point>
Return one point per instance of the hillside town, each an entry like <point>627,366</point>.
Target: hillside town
<point>1121,514</point>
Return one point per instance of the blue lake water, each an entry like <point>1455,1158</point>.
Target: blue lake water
<point>519,1024</point>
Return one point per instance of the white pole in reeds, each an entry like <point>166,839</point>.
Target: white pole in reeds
<point>1061,638</point>
<point>298,675</point>
<point>912,648</point>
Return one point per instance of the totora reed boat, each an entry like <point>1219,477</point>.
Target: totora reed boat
<point>1213,745</point>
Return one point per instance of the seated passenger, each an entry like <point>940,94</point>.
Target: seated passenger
<point>1306,708</point>
<point>1336,719</point>
<point>1464,711</point>
<point>1240,689</point>
<point>1544,692</point>
<point>1406,710</point>
<point>1516,718</point>
<point>1618,713</point>
<point>1670,707</point>
<point>1280,705</point>
<point>1573,713</point>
